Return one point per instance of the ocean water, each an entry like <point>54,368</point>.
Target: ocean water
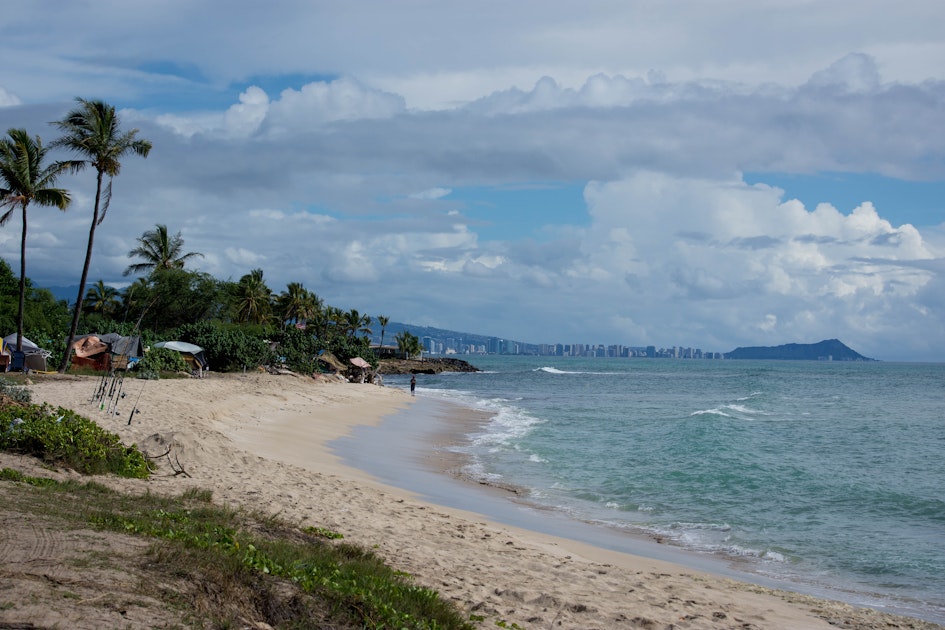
<point>829,476</point>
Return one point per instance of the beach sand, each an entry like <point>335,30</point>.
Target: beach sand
<point>261,441</point>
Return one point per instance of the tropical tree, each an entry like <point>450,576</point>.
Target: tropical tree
<point>408,344</point>
<point>93,131</point>
<point>297,304</point>
<point>253,299</point>
<point>135,295</point>
<point>102,298</point>
<point>180,296</point>
<point>159,251</point>
<point>355,323</point>
<point>383,320</point>
<point>24,180</point>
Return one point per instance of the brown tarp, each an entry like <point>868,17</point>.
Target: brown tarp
<point>89,346</point>
<point>332,361</point>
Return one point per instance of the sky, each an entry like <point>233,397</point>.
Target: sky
<point>648,172</point>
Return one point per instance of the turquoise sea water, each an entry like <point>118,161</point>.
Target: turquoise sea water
<point>828,475</point>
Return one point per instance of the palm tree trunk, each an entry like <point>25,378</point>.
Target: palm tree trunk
<point>20,312</point>
<point>67,353</point>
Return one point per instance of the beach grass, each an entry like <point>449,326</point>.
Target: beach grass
<point>229,565</point>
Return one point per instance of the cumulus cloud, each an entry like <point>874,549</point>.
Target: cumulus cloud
<point>355,180</point>
<point>322,102</point>
<point>855,72</point>
<point>8,99</point>
<point>758,257</point>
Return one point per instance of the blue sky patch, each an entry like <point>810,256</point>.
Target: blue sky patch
<point>516,211</point>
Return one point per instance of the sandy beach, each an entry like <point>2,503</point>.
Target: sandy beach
<point>261,441</point>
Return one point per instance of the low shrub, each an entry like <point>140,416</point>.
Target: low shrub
<point>63,437</point>
<point>157,360</point>
<point>14,391</point>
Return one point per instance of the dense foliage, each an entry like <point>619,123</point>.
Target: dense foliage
<point>228,348</point>
<point>240,324</point>
<point>65,438</point>
<point>157,360</point>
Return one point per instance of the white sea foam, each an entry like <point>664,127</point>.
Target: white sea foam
<point>712,412</point>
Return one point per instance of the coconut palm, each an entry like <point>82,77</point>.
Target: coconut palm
<point>93,131</point>
<point>101,298</point>
<point>24,180</point>
<point>297,304</point>
<point>158,251</point>
<point>383,320</point>
<point>355,323</point>
<point>408,344</point>
<point>253,299</point>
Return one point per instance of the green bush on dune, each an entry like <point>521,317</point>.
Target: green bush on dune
<point>63,437</point>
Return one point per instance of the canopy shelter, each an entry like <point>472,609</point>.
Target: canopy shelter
<point>194,355</point>
<point>31,358</point>
<point>359,362</point>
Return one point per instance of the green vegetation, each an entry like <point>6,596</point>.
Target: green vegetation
<point>408,344</point>
<point>241,325</point>
<point>63,437</point>
<point>158,360</point>
<point>25,179</point>
<point>93,131</point>
<point>260,567</point>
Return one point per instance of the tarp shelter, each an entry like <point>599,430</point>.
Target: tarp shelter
<point>194,355</point>
<point>331,360</point>
<point>33,358</point>
<point>104,352</point>
<point>359,362</point>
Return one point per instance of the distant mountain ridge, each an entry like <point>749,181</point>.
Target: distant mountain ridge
<point>827,350</point>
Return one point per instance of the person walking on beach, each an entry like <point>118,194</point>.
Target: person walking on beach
<point>413,384</point>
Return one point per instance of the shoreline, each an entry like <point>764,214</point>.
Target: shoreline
<point>438,450</point>
<point>263,442</point>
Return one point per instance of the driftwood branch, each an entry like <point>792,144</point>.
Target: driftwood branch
<point>174,462</point>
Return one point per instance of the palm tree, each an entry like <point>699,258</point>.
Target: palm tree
<point>383,320</point>
<point>23,180</point>
<point>158,251</point>
<point>253,298</point>
<point>102,298</point>
<point>92,130</point>
<point>408,344</point>
<point>355,323</point>
<point>297,303</point>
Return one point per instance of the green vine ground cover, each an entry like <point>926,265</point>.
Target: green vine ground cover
<point>297,578</point>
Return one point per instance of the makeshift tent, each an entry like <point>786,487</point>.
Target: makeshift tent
<point>194,355</point>
<point>33,357</point>
<point>104,352</point>
<point>359,362</point>
<point>328,358</point>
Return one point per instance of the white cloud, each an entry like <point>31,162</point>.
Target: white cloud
<point>740,251</point>
<point>8,98</point>
<point>246,117</point>
<point>322,102</point>
<point>326,156</point>
<point>431,193</point>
